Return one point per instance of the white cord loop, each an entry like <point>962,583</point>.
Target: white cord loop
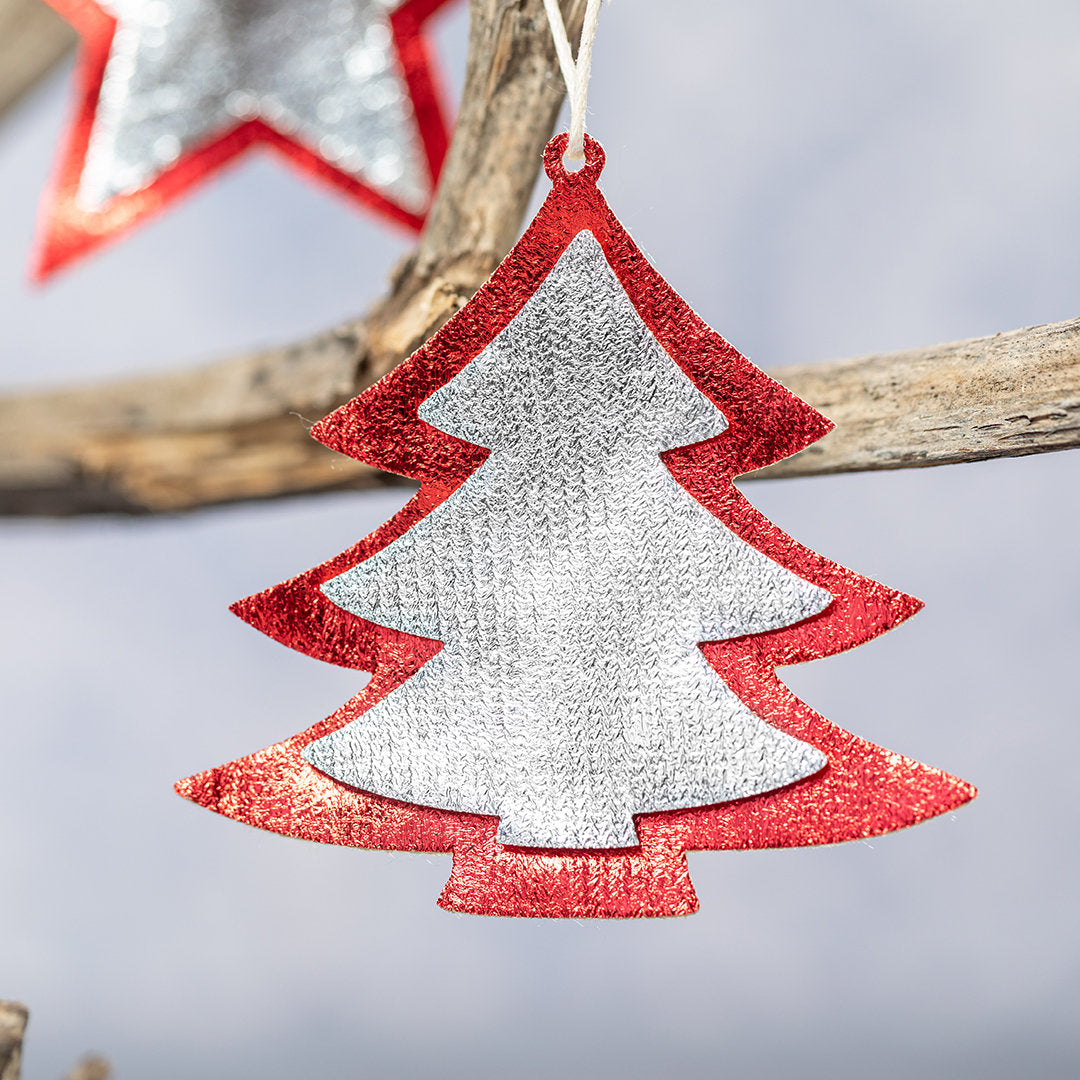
<point>576,76</point>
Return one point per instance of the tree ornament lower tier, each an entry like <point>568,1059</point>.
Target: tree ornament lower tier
<point>574,627</point>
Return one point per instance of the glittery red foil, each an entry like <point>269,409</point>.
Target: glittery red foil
<point>66,231</point>
<point>863,791</point>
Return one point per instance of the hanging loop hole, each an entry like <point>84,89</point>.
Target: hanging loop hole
<point>555,165</point>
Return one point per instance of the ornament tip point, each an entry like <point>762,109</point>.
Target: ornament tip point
<point>43,264</point>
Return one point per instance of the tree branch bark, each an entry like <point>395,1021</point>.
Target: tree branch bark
<point>91,1068</point>
<point>13,1018</point>
<point>1006,395</point>
<point>33,40</point>
<point>238,429</point>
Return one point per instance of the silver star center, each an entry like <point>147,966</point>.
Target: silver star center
<point>324,72</point>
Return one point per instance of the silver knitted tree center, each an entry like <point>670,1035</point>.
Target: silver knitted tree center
<point>571,579</point>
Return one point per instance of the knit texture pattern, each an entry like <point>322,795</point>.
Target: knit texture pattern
<point>571,580</point>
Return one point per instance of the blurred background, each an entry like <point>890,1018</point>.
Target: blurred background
<point>817,180</point>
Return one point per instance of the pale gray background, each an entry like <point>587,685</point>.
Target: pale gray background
<point>818,180</point>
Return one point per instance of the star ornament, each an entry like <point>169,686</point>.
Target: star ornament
<point>170,90</point>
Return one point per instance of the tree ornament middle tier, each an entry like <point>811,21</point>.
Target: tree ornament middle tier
<point>574,627</point>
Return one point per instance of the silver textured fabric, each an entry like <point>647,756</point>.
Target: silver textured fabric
<point>323,72</point>
<point>571,579</point>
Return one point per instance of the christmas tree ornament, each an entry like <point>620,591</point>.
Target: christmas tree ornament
<point>574,627</point>
<point>170,90</point>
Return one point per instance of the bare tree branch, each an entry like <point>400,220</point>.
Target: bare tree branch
<point>91,1068</point>
<point>13,1018</point>
<point>237,430</point>
<point>33,40</point>
<point>1002,396</point>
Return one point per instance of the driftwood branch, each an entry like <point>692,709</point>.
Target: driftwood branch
<point>237,429</point>
<point>33,40</point>
<point>1007,395</point>
<point>91,1067</point>
<point>13,1020</point>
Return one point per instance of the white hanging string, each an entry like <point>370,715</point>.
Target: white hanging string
<point>575,75</point>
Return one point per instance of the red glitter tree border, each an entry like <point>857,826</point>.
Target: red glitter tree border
<point>863,791</point>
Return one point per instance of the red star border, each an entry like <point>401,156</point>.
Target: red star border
<point>68,231</point>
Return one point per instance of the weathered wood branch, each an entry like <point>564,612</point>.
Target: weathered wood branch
<point>91,1067</point>
<point>13,1018</point>
<point>33,40</point>
<point>237,430</point>
<point>1007,395</point>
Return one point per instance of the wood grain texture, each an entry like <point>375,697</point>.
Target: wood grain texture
<point>239,430</point>
<point>1007,395</point>
<point>33,40</point>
